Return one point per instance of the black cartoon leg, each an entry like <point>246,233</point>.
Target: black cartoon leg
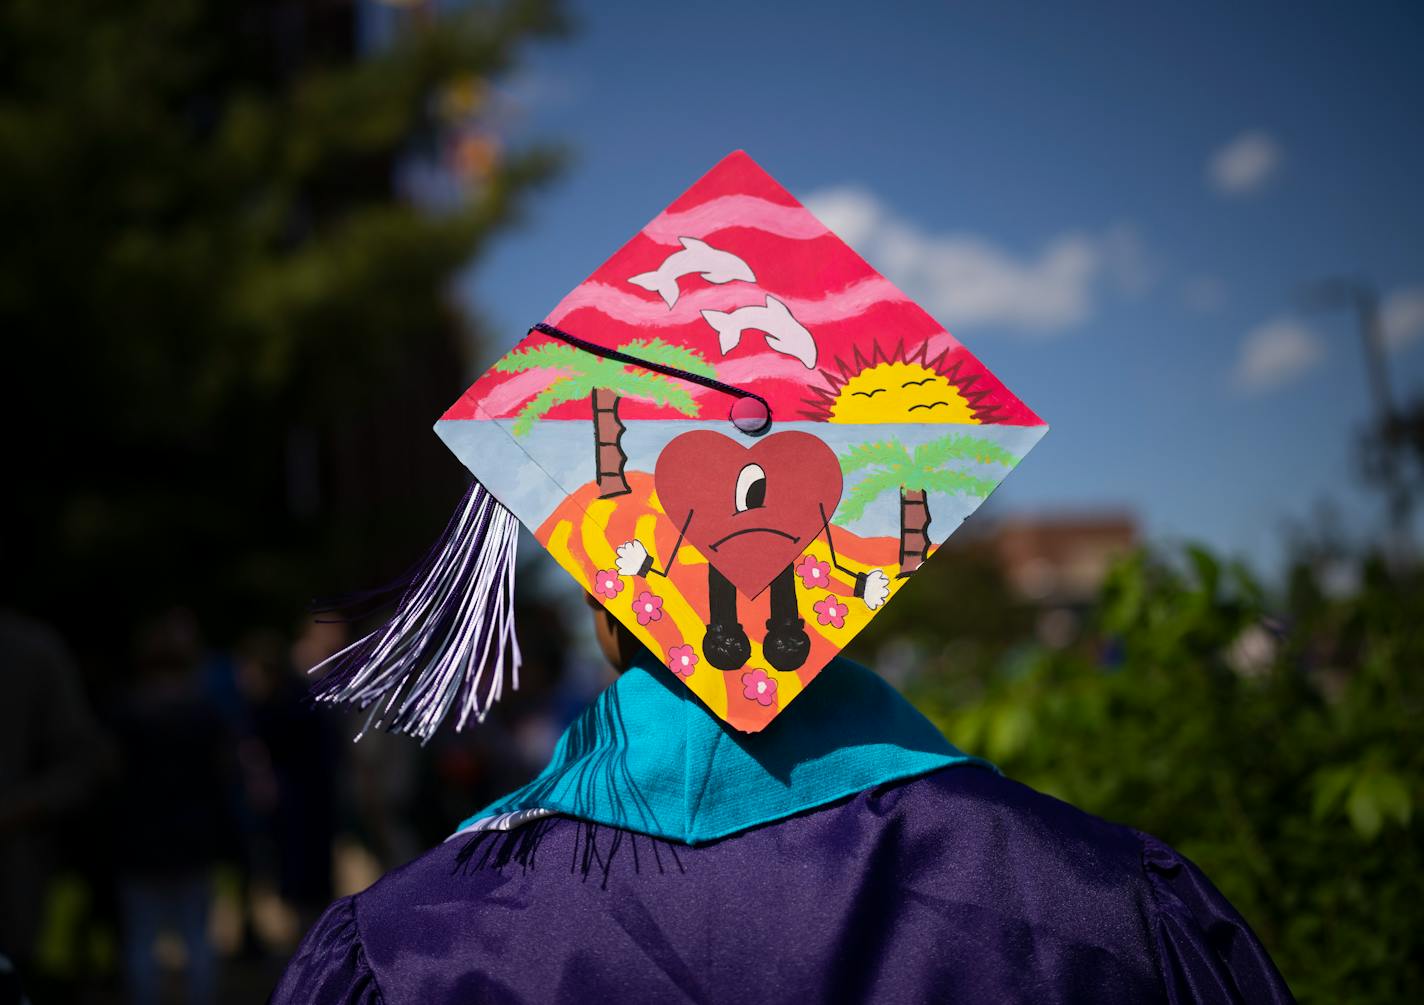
<point>725,645</point>
<point>787,645</point>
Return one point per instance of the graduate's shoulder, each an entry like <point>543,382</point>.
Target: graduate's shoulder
<point>431,874</point>
<point>971,804</point>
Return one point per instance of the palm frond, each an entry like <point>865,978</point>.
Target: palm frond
<point>655,388</point>
<point>658,351</point>
<point>959,447</point>
<point>604,373</point>
<point>853,505</point>
<point>869,455</point>
<point>562,390</point>
<point>549,355</point>
<point>949,482</point>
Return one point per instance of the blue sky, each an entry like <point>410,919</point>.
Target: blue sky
<point>1112,206</point>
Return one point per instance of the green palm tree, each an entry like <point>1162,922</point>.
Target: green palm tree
<point>605,382</point>
<point>892,465</point>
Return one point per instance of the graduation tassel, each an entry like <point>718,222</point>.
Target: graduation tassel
<point>450,641</point>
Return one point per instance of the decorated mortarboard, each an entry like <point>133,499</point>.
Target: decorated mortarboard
<point>735,434</point>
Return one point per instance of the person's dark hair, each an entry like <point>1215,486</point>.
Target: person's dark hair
<point>620,646</point>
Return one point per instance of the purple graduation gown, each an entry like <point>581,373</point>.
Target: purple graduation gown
<point>960,885</point>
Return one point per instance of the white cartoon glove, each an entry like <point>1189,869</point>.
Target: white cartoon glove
<point>632,559</point>
<point>877,588</point>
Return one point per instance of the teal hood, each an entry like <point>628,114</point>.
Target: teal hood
<point>647,756</point>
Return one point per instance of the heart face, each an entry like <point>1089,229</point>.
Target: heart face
<point>749,510</point>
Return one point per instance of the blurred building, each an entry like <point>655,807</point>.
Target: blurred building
<point>1060,559</point>
<point>1056,563</point>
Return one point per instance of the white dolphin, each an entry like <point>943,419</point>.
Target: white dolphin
<point>713,264</point>
<point>784,334</point>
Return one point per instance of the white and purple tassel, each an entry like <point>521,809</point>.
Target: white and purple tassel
<point>450,642</point>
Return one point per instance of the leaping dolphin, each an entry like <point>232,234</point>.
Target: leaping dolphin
<point>713,264</point>
<point>784,334</point>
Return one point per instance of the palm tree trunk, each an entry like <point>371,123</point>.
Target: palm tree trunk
<point>914,529</point>
<point>609,458</point>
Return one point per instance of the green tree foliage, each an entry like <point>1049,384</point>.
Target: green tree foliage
<point>228,335</point>
<point>580,373</point>
<point>1285,757</point>
<point>891,466</point>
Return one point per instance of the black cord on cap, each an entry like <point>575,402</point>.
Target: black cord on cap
<point>743,414</point>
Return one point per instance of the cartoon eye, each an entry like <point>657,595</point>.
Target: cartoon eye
<point>751,488</point>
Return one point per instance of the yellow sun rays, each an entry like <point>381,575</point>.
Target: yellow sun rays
<point>890,384</point>
<point>900,392</point>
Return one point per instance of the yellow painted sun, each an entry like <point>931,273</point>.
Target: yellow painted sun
<point>899,387</point>
<point>900,392</point>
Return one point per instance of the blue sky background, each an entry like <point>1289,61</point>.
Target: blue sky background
<point>1112,206</point>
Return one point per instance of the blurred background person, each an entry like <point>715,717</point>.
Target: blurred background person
<point>299,750</point>
<point>173,808</point>
<point>53,758</point>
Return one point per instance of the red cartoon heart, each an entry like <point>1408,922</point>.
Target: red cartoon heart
<point>749,510</point>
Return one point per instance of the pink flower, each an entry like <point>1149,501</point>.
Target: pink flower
<point>758,687</point>
<point>607,583</point>
<point>648,607</point>
<point>681,660</point>
<point>831,611</point>
<point>813,572</point>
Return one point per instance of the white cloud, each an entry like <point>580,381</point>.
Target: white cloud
<point>1275,353</point>
<point>1245,164</point>
<point>853,213</point>
<point>967,280</point>
<point>1402,316</point>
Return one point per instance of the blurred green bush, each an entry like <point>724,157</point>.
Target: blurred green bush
<point>1282,754</point>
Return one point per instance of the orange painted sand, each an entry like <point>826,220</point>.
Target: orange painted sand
<point>585,531</point>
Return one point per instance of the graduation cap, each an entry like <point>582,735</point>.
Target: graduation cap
<point>735,434</point>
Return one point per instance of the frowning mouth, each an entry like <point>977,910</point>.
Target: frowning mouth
<point>752,530</point>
